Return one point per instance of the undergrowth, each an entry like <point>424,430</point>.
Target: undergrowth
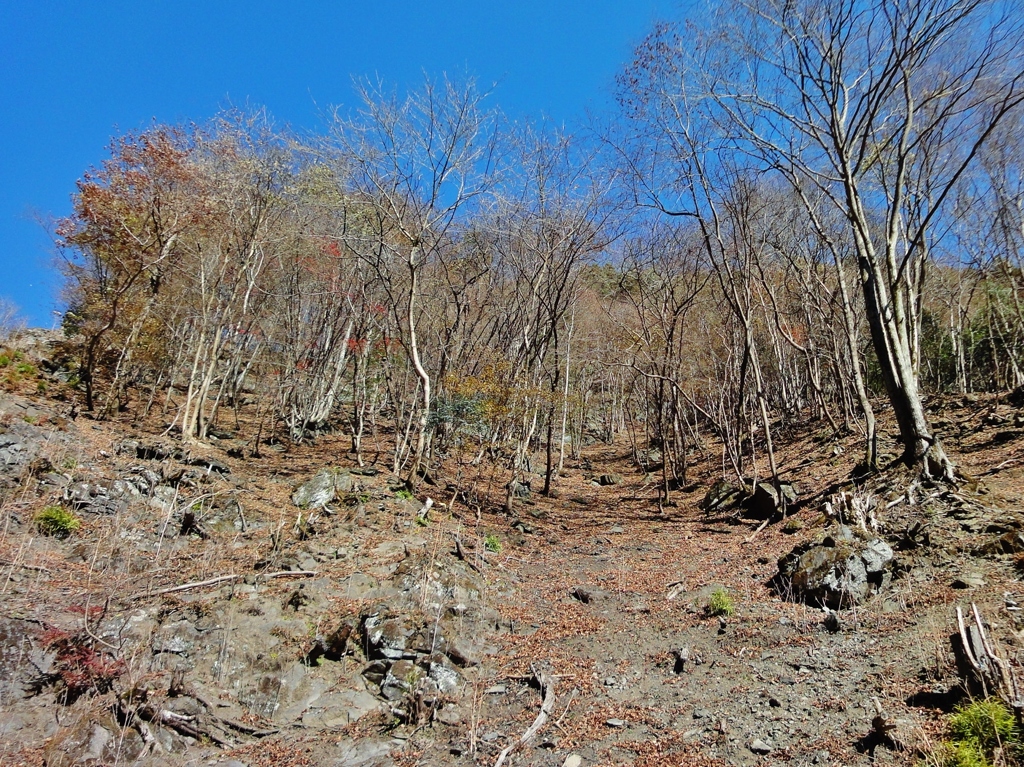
<point>57,521</point>
<point>978,732</point>
<point>720,603</point>
<point>78,667</point>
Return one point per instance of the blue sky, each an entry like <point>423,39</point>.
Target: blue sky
<point>72,74</point>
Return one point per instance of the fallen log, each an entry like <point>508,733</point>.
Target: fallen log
<point>224,579</point>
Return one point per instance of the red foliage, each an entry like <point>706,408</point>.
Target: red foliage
<point>79,665</point>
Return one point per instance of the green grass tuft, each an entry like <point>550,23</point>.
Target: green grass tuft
<point>492,543</point>
<point>962,754</point>
<point>987,723</point>
<point>976,731</point>
<point>57,521</point>
<point>720,603</point>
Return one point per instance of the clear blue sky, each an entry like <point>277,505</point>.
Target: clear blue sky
<point>72,74</point>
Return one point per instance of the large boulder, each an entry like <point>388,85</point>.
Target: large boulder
<point>841,570</point>
<point>722,495</point>
<point>323,488</point>
<point>768,499</point>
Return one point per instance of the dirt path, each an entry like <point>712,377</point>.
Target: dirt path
<point>611,597</point>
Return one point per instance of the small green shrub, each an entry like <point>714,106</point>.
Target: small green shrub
<point>404,495</point>
<point>492,543</point>
<point>961,754</point>
<point>720,603</point>
<point>4,360</point>
<point>986,723</point>
<point>24,368</point>
<point>976,730</point>
<point>57,521</point>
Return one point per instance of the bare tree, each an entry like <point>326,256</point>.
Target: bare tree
<point>417,165</point>
<point>11,323</point>
<point>880,107</point>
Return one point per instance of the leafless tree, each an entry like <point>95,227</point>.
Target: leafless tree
<point>878,106</point>
<point>418,164</point>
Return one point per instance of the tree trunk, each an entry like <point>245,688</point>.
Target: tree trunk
<point>421,373</point>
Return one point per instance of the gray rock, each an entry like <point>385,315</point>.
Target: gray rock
<point>323,488</point>
<point>722,495</point>
<point>465,652</point>
<point>361,753</point>
<point>101,497</point>
<point>401,678</point>
<point>609,479</point>
<point>388,637</point>
<point>616,722</point>
<point>521,489</point>
<point>176,638</point>
<point>450,715</point>
<point>96,746</point>
<point>440,669</point>
<point>838,571</point>
<point>758,746</point>
<point>877,554</point>
<point>768,499</point>
<point>968,581</point>
<point>358,586</point>
<point>337,709</point>
<point>210,464</point>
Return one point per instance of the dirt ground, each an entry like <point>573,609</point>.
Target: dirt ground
<point>596,590</point>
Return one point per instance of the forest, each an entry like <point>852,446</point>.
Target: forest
<point>462,374</point>
<point>799,209</point>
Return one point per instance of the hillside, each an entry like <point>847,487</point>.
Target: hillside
<point>213,609</point>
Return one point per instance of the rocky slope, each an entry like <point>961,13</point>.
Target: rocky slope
<point>295,609</point>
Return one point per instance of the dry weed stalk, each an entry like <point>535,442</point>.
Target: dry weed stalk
<point>854,508</point>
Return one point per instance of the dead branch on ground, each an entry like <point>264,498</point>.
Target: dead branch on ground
<point>547,689</point>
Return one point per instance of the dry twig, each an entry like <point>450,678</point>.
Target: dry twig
<point>225,579</point>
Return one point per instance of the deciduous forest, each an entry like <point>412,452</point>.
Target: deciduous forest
<point>598,370</point>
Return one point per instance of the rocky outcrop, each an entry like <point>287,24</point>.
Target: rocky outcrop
<point>323,488</point>
<point>762,499</point>
<point>842,569</point>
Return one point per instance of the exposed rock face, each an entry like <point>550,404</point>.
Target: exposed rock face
<point>323,488</point>
<point>101,496</point>
<point>841,570</point>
